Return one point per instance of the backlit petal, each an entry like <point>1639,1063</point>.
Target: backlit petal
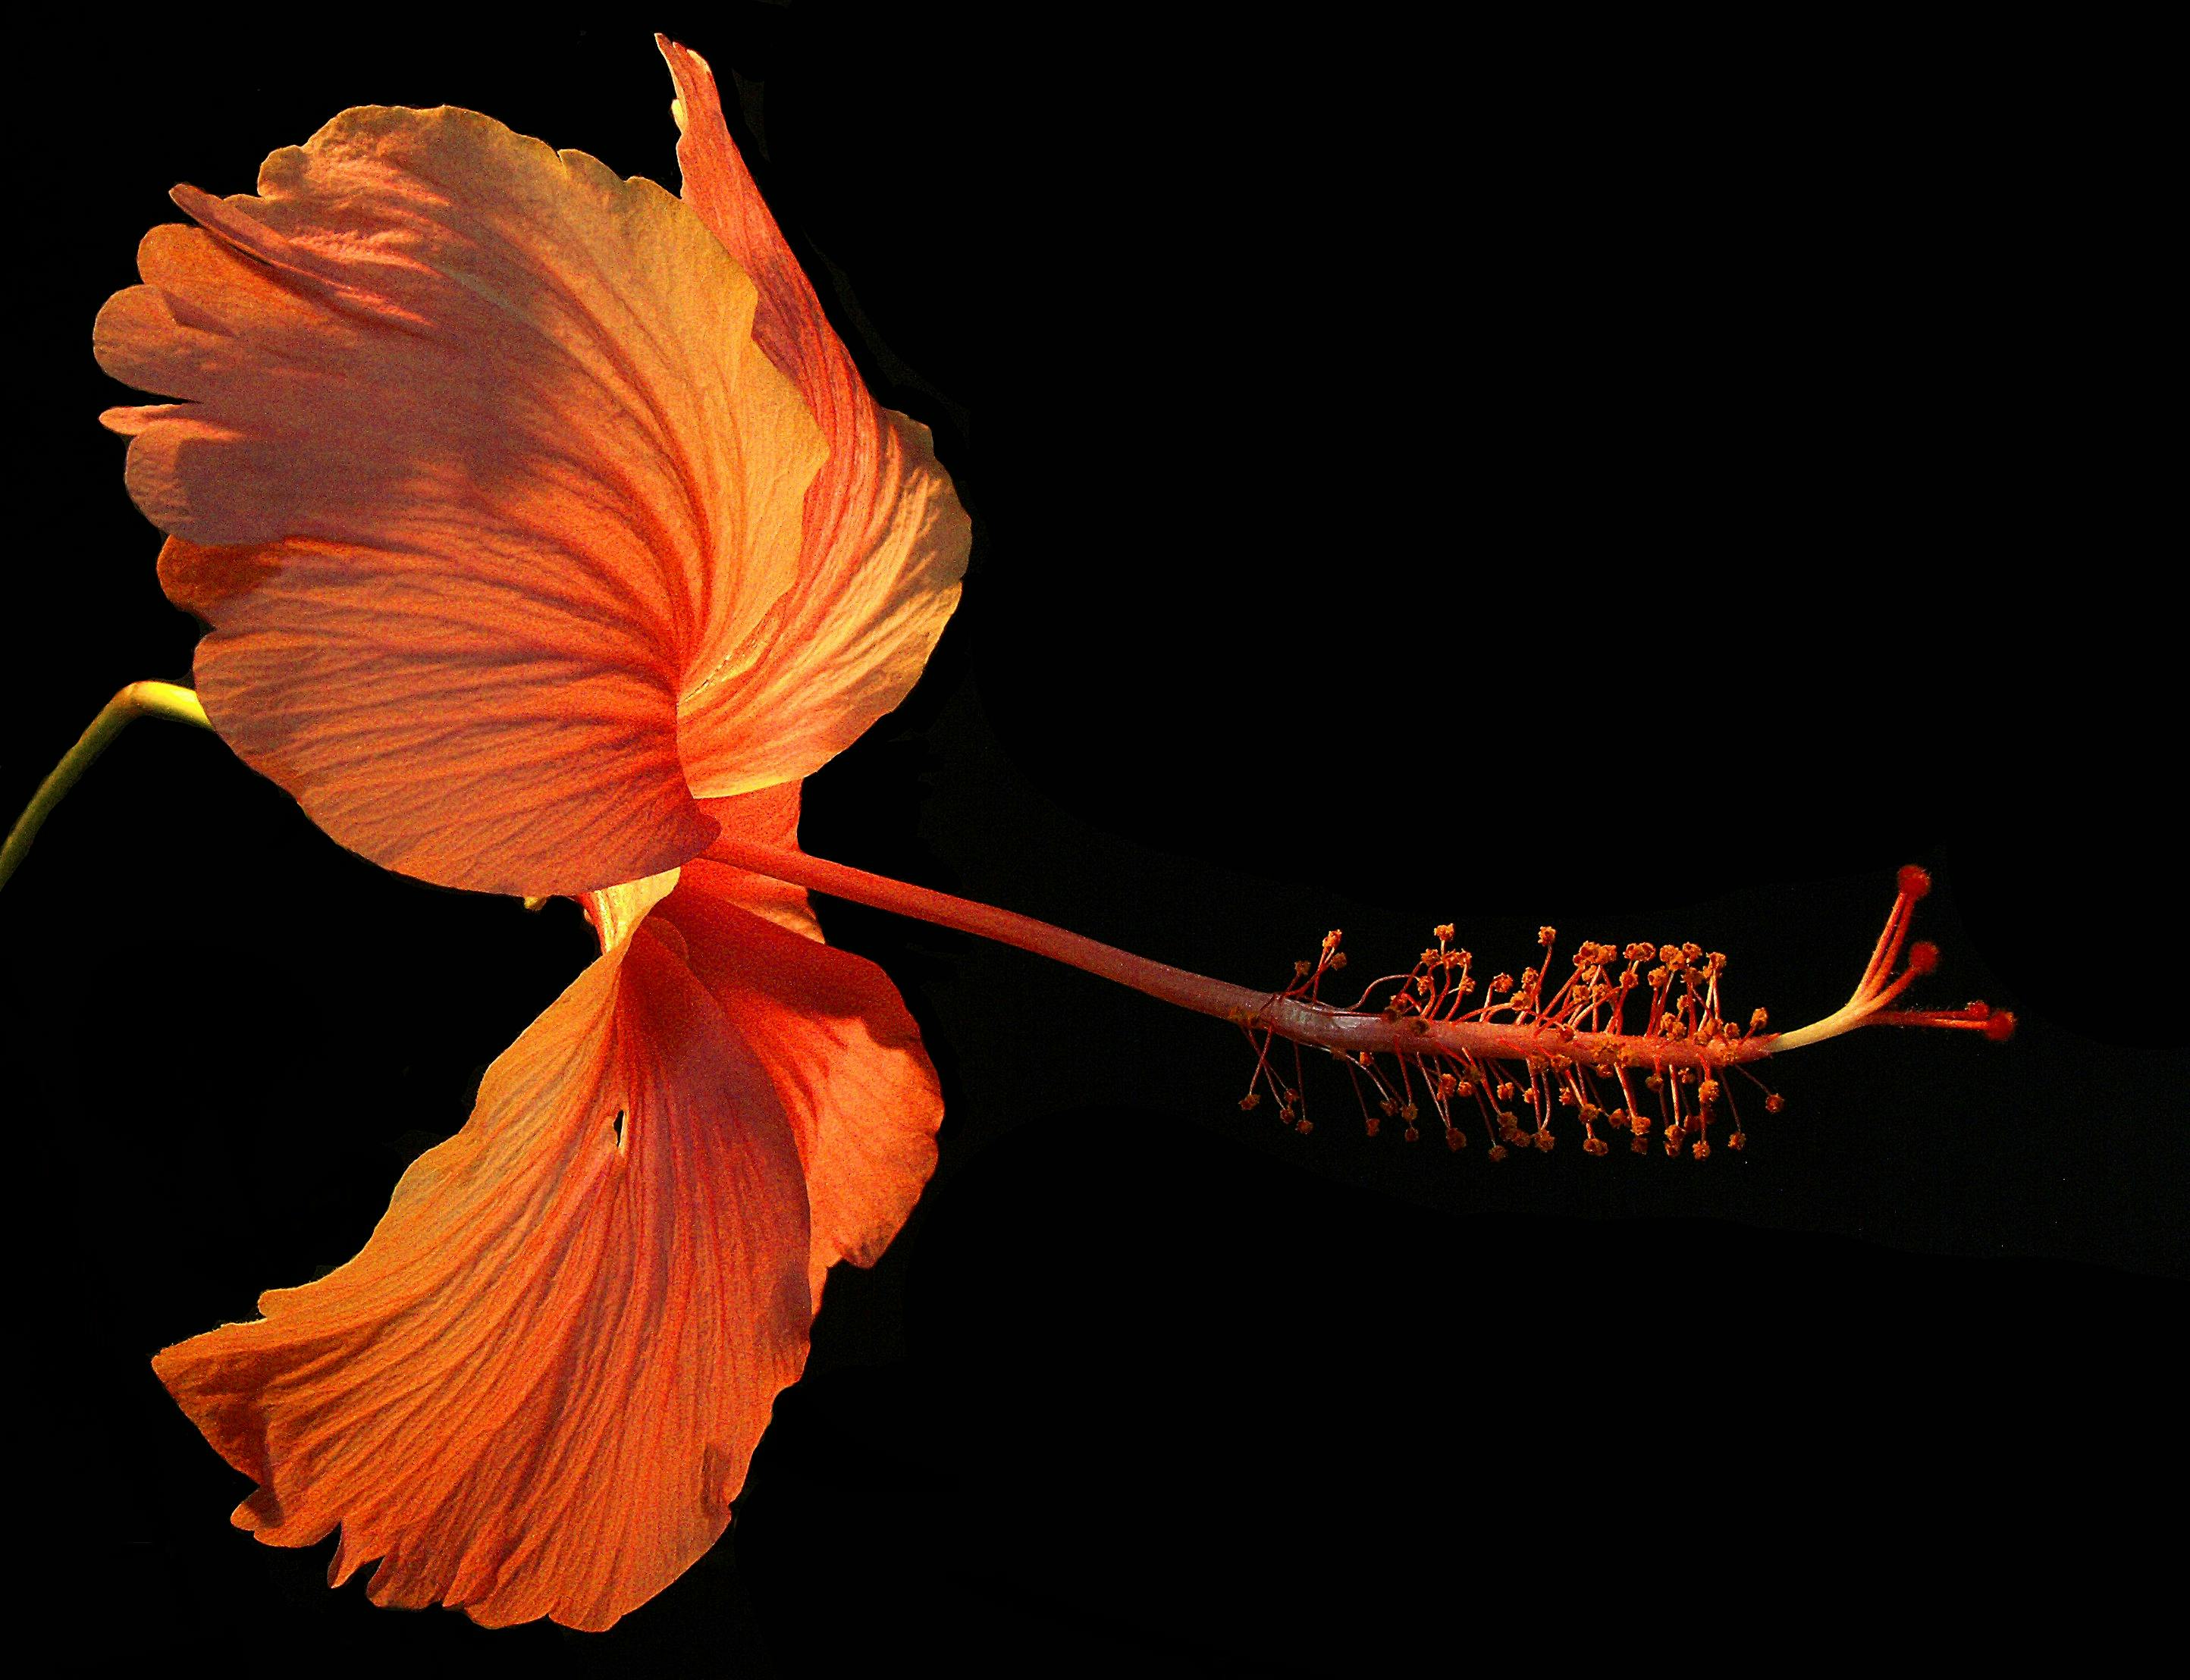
<point>476,473</point>
<point>885,538</point>
<point>840,1048</point>
<point>616,912</point>
<point>536,1390</point>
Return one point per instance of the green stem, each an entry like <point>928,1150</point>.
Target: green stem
<point>139,700</point>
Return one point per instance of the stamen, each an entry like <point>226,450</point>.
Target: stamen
<point>1574,1050</point>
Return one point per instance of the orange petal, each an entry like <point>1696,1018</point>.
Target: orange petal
<point>885,538</point>
<point>840,1048</point>
<point>830,1028</point>
<point>536,1390</point>
<point>477,473</point>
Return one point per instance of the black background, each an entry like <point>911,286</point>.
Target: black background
<point>1654,485</point>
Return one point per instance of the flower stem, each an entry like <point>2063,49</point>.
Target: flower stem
<point>138,700</point>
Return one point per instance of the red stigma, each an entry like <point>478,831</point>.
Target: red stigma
<point>1914,882</point>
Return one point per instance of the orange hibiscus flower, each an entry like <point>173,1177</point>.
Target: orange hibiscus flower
<point>548,537</point>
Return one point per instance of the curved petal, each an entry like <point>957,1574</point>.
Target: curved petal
<point>476,474</point>
<point>840,1049</point>
<point>885,539</point>
<point>616,912</point>
<point>536,1390</point>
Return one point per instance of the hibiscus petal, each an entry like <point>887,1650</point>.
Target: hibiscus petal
<point>839,1045</point>
<point>616,911</point>
<point>477,472</point>
<point>885,538</point>
<point>536,1390</point>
